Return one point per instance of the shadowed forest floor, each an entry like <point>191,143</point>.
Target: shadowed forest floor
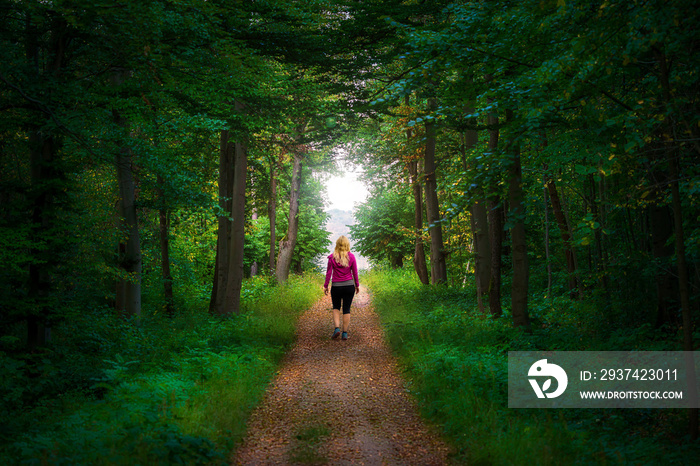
<point>340,402</point>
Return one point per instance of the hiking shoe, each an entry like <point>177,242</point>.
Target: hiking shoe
<point>345,336</point>
<point>336,333</point>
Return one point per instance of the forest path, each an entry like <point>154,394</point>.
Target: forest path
<point>339,402</point>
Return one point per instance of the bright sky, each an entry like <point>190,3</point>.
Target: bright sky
<point>345,191</point>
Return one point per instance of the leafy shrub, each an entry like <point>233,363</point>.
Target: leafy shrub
<point>171,391</point>
<point>456,359</point>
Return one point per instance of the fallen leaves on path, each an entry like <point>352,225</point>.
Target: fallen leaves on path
<point>339,402</point>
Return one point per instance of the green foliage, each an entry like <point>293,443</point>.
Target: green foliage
<point>456,359</point>
<point>604,99</point>
<point>312,238</point>
<point>384,228</point>
<point>169,392</point>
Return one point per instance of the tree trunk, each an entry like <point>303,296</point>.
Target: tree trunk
<point>546,243</point>
<point>686,311</point>
<point>419,262</point>
<point>236,253</point>
<point>396,261</point>
<point>223,237</point>
<point>482,248</point>
<point>288,243</point>
<point>164,220</point>
<point>673,158</point>
<point>438,266</point>
<point>566,238</point>
<point>272,216</point>
<point>129,287</point>
<point>599,213</point>
<point>479,220</point>
<point>254,266</point>
<point>519,288</point>
<point>494,216</point>
<point>482,251</point>
<point>43,150</point>
<point>42,153</point>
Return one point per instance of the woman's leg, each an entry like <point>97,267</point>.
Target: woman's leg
<point>336,317</point>
<point>336,297</point>
<point>349,293</point>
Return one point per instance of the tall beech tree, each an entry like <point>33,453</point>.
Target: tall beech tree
<point>288,243</point>
<point>516,218</point>
<point>128,295</point>
<point>272,216</point>
<point>226,291</point>
<point>494,216</point>
<point>37,60</point>
<point>419,262</point>
<point>164,234</point>
<point>438,267</point>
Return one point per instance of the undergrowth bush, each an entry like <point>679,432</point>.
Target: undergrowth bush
<point>456,359</point>
<point>170,391</point>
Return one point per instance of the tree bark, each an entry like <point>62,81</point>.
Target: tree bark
<point>129,286</point>
<point>272,216</point>
<point>419,262</point>
<point>494,216</point>
<point>598,211</point>
<point>479,220</point>
<point>164,231</point>
<point>566,238</point>
<point>673,159</point>
<point>686,311</point>
<point>236,252</point>
<point>438,266</point>
<point>223,237</point>
<point>546,242</point>
<point>482,251</point>
<point>42,158</point>
<point>516,196</point>
<point>254,265</point>
<point>44,150</point>
<point>288,243</point>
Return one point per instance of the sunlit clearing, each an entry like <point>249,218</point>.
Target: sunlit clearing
<point>345,191</point>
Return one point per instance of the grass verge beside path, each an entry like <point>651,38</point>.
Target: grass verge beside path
<point>168,392</point>
<point>456,364</point>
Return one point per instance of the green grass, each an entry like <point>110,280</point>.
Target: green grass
<point>168,392</point>
<point>456,363</point>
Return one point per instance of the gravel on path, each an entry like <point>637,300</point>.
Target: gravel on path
<point>339,402</point>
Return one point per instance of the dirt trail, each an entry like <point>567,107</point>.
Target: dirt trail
<point>339,402</point>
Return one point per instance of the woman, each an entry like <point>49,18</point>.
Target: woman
<point>342,267</point>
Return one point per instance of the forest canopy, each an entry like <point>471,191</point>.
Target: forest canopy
<point>159,161</point>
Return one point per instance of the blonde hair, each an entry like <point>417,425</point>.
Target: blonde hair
<point>342,248</point>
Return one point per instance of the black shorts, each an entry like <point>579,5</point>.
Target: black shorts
<point>343,293</point>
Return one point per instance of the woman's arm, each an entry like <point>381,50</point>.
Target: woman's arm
<point>329,272</point>
<point>354,273</point>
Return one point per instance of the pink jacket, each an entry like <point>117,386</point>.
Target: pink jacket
<point>340,273</point>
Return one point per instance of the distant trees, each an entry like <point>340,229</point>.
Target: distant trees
<point>585,162</point>
<point>131,138</point>
<point>384,227</point>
